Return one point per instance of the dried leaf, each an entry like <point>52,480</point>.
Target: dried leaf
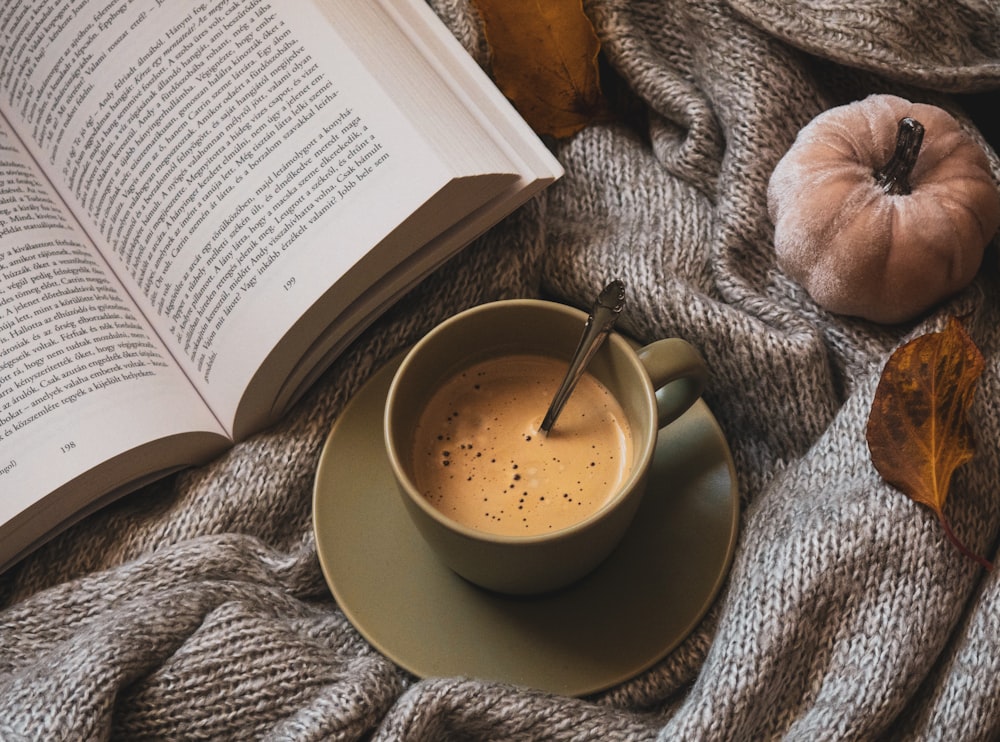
<point>918,430</point>
<point>544,58</point>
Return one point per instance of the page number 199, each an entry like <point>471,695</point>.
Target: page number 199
<point>289,283</point>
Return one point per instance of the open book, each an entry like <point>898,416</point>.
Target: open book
<point>201,204</point>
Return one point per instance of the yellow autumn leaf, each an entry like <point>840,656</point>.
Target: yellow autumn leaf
<point>918,429</point>
<point>543,56</point>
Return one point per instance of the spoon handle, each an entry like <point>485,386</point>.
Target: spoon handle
<point>602,318</point>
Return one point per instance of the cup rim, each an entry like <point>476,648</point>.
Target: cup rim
<point>641,458</point>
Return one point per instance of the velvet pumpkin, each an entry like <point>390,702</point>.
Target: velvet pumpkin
<point>882,208</point>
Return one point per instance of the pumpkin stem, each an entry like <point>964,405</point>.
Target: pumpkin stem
<point>894,176</point>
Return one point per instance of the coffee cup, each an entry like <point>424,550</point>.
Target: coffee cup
<point>506,507</point>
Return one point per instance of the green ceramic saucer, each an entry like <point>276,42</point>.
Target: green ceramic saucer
<point>615,623</point>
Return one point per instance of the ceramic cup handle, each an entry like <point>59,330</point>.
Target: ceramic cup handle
<point>678,373</point>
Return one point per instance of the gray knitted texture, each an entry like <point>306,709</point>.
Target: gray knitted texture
<point>196,609</point>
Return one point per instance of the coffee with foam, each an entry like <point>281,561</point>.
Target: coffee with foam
<point>479,459</point>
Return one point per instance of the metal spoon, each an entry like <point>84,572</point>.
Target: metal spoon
<point>602,318</point>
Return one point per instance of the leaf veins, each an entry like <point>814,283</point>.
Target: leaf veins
<point>543,55</point>
<point>918,429</point>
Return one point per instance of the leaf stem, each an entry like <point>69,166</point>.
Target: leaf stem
<point>894,176</point>
<point>966,551</point>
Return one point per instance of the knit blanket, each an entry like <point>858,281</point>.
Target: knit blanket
<point>196,607</point>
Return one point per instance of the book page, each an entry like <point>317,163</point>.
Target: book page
<point>82,376</point>
<point>231,159</point>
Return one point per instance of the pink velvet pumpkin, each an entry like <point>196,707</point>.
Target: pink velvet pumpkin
<point>882,208</point>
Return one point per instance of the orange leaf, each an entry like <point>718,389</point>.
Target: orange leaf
<point>918,430</point>
<point>543,55</point>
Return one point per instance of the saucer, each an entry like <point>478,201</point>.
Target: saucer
<point>629,613</point>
